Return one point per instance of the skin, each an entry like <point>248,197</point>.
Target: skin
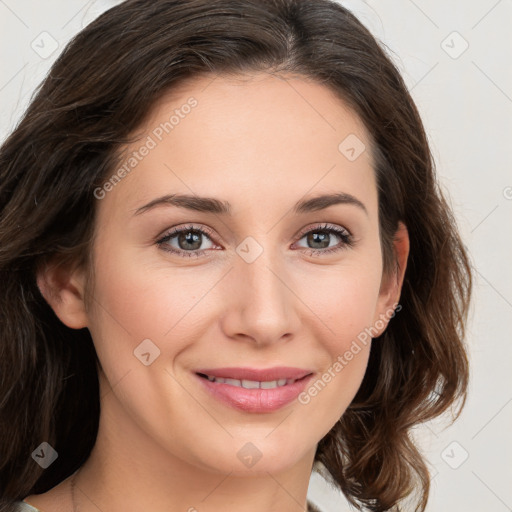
<point>261,143</point>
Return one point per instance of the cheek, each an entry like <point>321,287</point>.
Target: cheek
<point>342,298</point>
<point>137,301</point>
<point>347,350</point>
<point>345,303</point>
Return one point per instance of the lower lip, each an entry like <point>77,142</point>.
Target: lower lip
<point>255,400</point>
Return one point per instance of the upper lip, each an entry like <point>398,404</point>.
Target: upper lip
<point>255,374</point>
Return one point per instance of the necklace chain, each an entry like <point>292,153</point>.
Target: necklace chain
<point>73,489</point>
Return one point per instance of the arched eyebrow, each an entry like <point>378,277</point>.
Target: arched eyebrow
<point>219,207</point>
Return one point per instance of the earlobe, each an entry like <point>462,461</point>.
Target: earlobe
<point>401,245</point>
<point>63,289</point>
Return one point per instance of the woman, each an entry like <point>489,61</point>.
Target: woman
<point>226,262</point>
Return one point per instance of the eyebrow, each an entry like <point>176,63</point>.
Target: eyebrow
<point>216,206</point>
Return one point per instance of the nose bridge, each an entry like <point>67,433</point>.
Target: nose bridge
<point>262,305</point>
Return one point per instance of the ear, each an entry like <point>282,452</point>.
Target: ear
<point>63,288</point>
<point>391,284</point>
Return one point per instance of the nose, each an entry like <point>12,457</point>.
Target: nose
<point>261,305</point>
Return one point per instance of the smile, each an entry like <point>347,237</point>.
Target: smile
<point>252,390</point>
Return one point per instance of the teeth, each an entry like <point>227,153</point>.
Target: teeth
<point>251,384</point>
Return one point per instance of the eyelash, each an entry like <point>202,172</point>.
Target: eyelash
<point>345,236</point>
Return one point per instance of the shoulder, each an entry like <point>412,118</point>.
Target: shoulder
<point>57,499</point>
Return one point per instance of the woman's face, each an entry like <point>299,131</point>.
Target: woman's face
<point>254,286</point>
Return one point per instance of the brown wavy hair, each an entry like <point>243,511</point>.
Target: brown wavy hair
<point>68,142</point>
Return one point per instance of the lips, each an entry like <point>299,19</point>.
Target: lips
<point>254,390</point>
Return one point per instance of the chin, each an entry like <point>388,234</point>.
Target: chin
<point>258,457</point>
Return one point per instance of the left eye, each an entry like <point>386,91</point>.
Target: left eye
<point>190,239</point>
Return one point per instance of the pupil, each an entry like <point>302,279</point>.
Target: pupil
<point>190,238</point>
<point>319,237</point>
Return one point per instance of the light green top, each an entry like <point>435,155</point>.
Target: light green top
<point>25,507</point>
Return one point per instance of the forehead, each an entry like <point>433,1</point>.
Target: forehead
<point>221,134</point>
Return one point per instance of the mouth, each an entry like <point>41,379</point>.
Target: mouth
<point>252,390</point>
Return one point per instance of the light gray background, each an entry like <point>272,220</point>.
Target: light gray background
<point>465,98</point>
